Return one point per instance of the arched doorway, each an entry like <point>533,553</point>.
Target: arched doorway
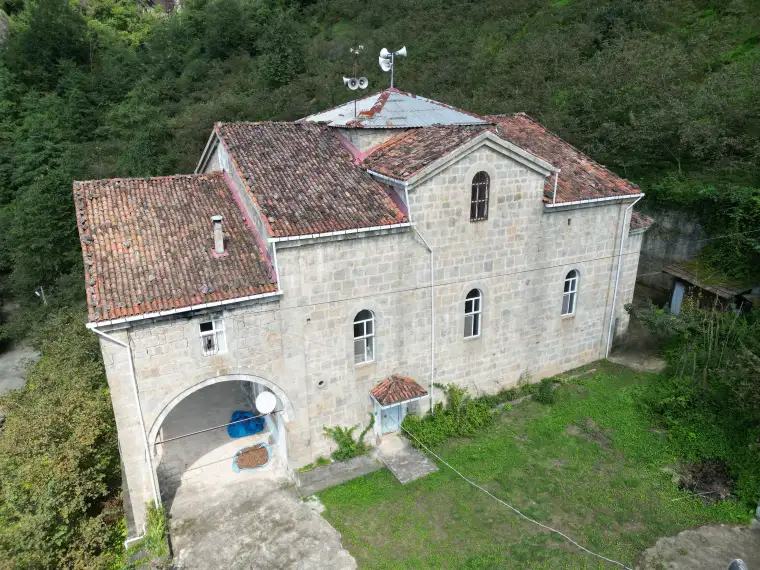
<point>190,439</point>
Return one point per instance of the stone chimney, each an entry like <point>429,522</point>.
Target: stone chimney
<point>218,235</point>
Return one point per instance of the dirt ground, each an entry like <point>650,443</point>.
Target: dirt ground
<point>705,548</point>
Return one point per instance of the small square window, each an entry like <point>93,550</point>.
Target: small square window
<point>213,339</point>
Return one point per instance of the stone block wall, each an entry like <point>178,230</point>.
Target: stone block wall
<point>675,236</point>
<point>300,343</point>
<point>518,258</point>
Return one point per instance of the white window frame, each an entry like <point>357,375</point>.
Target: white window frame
<point>570,293</point>
<point>473,314</point>
<point>213,341</point>
<point>479,195</point>
<point>366,337</point>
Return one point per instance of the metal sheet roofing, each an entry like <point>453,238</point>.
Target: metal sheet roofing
<point>394,109</point>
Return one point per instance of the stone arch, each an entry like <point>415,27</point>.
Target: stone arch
<point>287,414</point>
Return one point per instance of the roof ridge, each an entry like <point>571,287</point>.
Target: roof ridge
<point>149,178</point>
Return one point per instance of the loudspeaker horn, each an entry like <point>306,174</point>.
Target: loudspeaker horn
<point>401,52</point>
<point>363,83</point>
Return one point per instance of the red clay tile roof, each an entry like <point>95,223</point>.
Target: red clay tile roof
<point>406,154</point>
<point>304,180</point>
<point>148,243</point>
<point>397,389</point>
<point>640,221</point>
<point>580,178</point>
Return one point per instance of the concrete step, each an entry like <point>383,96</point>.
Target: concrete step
<point>322,478</point>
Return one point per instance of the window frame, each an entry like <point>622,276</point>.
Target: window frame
<point>217,333</point>
<point>476,200</point>
<point>366,338</point>
<point>473,314</point>
<point>570,292</point>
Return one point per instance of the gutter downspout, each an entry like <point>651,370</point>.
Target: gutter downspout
<point>432,299</point>
<point>617,277</point>
<point>156,498</point>
<point>276,268</point>
<point>556,179</point>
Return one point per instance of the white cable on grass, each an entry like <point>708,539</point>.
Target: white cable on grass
<point>527,518</point>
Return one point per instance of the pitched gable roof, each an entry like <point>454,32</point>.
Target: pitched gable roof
<point>304,180</point>
<point>397,389</point>
<point>580,177</point>
<point>406,154</point>
<point>148,245</point>
<point>396,109</point>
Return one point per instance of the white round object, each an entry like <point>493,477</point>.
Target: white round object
<point>265,402</point>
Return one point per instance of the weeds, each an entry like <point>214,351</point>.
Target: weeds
<point>348,447</point>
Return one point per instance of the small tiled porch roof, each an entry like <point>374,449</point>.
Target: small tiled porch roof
<point>396,390</point>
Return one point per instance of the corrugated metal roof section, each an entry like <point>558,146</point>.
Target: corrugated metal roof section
<point>394,109</point>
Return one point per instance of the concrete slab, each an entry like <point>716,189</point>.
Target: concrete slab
<point>336,473</point>
<point>405,462</point>
<point>251,524</point>
<point>207,457</point>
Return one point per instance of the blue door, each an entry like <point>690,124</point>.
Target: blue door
<point>391,418</point>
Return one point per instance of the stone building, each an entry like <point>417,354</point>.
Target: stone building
<point>346,262</point>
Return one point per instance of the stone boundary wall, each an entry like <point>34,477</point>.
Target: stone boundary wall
<point>672,238</point>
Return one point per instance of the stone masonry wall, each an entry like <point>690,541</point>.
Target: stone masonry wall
<point>675,236</point>
<point>302,341</point>
<point>518,258</point>
<point>365,139</point>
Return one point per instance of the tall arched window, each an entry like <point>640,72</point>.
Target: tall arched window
<point>570,293</point>
<point>481,184</point>
<point>364,337</point>
<point>473,310</point>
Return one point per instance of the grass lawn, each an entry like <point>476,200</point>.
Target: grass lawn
<point>600,481</point>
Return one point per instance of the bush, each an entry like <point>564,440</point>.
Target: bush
<point>709,396</point>
<point>348,447</point>
<point>545,392</point>
<point>60,501</point>
<point>461,416</point>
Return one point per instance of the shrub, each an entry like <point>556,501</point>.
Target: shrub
<point>709,396</point>
<point>460,416</point>
<point>348,447</point>
<point>153,549</point>
<point>545,392</point>
<point>59,462</point>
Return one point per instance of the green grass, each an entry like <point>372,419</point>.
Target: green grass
<point>604,487</point>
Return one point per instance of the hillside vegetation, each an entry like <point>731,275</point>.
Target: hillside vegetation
<point>665,92</point>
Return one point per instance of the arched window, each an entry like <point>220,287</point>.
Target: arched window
<point>481,183</point>
<point>364,337</point>
<point>570,293</point>
<point>473,310</point>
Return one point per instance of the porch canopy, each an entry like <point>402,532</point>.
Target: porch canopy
<point>396,390</point>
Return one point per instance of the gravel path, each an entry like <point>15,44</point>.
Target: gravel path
<point>13,365</point>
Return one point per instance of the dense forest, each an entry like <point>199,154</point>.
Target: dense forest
<point>664,92</point>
